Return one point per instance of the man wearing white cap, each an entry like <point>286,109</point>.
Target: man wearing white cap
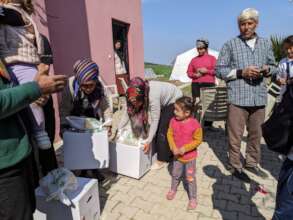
<point>243,63</point>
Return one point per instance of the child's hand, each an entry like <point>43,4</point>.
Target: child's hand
<point>176,152</point>
<point>182,151</point>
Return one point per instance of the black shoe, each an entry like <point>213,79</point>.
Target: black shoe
<point>257,171</point>
<point>241,176</point>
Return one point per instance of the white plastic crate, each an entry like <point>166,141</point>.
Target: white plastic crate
<point>85,203</point>
<point>129,160</point>
<point>86,150</point>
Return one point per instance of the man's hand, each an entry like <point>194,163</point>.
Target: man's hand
<point>251,72</point>
<point>43,100</point>
<point>50,84</point>
<point>265,70</point>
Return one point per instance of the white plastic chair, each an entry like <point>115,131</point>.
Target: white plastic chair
<point>110,91</point>
<point>213,105</point>
<point>123,83</point>
<point>273,94</point>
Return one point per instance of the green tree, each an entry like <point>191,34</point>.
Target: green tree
<point>277,47</point>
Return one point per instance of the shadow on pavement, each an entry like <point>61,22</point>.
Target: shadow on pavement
<point>231,197</point>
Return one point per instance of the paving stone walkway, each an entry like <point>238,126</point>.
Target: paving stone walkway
<point>220,196</point>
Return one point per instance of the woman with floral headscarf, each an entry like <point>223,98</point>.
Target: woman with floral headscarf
<point>149,110</point>
<point>85,96</point>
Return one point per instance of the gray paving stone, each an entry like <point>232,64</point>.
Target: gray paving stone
<point>220,196</point>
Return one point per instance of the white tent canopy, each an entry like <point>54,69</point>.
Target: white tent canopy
<point>182,61</point>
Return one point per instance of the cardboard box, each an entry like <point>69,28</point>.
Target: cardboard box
<point>86,150</point>
<point>85,203</point>
<point>129,160</point>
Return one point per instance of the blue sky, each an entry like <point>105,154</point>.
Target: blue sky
<point>172,26</point>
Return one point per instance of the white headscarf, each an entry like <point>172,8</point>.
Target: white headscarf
<point>248,13</point>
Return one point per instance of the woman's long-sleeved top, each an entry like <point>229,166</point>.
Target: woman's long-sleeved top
<point>206,61</point>
<point>161,94</point>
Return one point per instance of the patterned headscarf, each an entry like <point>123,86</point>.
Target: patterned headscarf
<point>85,70</point>
<point>138,89</point>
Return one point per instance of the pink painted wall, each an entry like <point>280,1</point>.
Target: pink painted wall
<point>101,13</point>
<point>84,29</point>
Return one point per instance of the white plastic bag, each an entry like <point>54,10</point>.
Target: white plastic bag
<point>57,183</point>
<point>125,136</point>
<point>87,124</point>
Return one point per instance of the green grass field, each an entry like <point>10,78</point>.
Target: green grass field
<point>159,69</point>
<point>165,71</point>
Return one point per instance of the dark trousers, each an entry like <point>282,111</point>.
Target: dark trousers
<point>284,199</point>
<point>195,88</point>
<point>238,118</point>
<point>161,145</point>
<point>17,200</point>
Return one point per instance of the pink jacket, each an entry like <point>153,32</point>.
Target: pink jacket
<point>187,135</point>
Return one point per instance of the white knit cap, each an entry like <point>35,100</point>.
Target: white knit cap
<point>248,13</point>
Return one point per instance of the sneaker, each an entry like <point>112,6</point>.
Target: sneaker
<point>241,176</point>
<point>192,204</point>
<point>257,171</point>
<point>157,166</point>
<point>42,140</point>
<point>171,195</point>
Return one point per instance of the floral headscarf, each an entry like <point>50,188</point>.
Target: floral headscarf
<point>139,90</point>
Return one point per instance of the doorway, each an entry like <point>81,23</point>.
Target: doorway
<point>121,58</point>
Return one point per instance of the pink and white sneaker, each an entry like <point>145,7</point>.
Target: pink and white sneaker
<point>171,195</point>
<point>192,204</point>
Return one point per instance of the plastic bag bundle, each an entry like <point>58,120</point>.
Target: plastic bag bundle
<point>57,183</point>
<point>85,124</point>
<point>125,136</point>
